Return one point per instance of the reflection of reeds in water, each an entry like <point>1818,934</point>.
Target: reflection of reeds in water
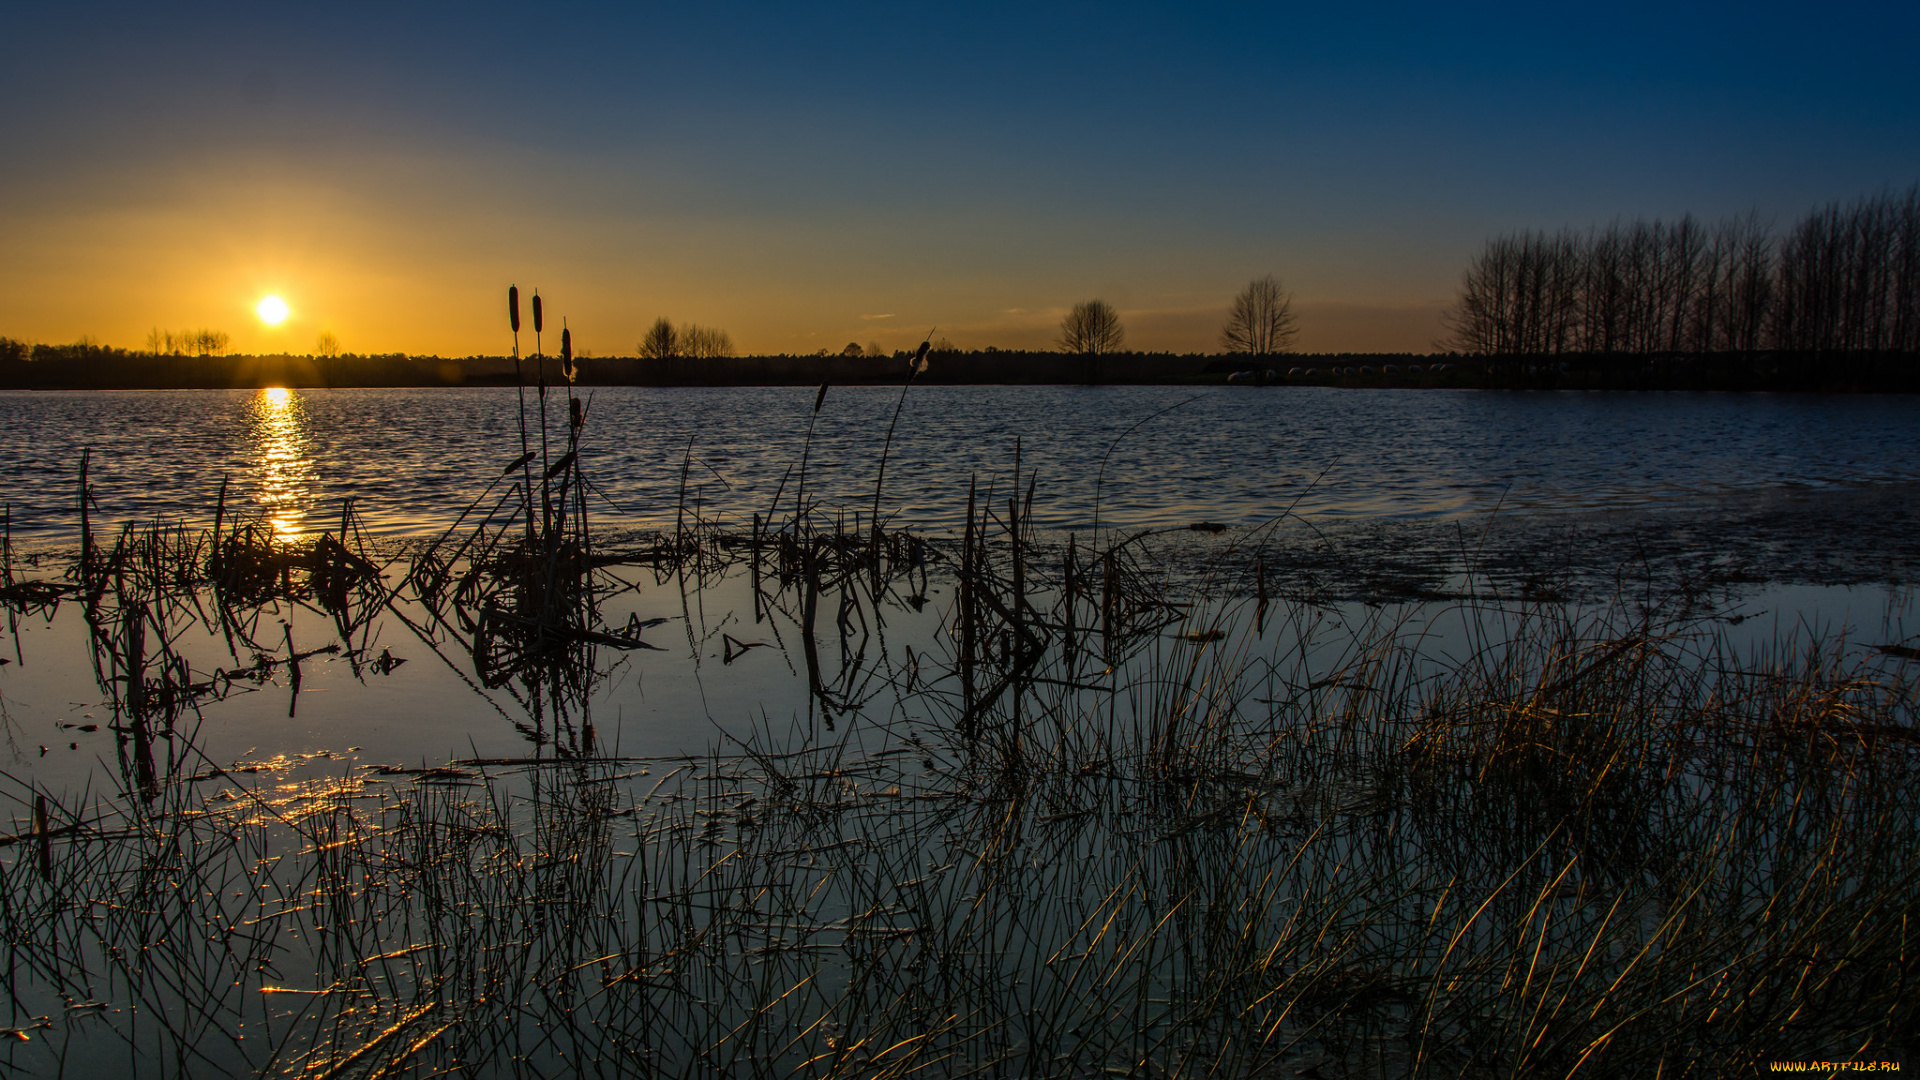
<point>1217,865</point>
<point>1095,826</point>
<point>513,580</point>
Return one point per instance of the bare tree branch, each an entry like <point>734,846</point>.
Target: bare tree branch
<point>1260,320</point>
<point>662,341</point>
<point>1091,329</point>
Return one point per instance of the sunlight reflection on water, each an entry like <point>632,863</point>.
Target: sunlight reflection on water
<point>1139,457</point>
<point>284,473</point>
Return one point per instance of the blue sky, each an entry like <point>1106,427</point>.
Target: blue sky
<point>864,173</point>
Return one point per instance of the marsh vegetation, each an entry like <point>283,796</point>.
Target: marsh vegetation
<point>1112,816</point>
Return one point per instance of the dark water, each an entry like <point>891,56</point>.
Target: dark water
<point>1138,455</point>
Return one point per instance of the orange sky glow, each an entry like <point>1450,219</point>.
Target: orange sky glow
<point>805,178</point>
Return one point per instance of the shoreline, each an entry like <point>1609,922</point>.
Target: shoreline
<point>72,368</point>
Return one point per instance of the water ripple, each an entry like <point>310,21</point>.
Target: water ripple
<point>412,458</point>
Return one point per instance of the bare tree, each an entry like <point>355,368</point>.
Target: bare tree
<point>326,345</point>
<point>1469,323</point>
<point>705,342</point>
<point>667,343</point>
<point>206,342</point>
<point>662,341</point>
<point>874,349</point>
<point>1260,320</point>
<point>1848,278</point>
<point>1092,329</point>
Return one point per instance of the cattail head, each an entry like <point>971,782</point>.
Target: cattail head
<point>566,353</point>
<point>820,398</point>
<point>578,415</point>
<point>536,313</point>
<point>513,307</point>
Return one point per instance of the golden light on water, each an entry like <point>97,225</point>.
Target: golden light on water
<point>273,311</point>
<point>283,466</point>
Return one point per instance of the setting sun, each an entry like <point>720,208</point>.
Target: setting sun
<point>272,311</point>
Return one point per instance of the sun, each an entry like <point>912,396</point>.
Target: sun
<point>272,310</point>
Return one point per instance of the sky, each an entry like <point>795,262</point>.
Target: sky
<point>804,178</point>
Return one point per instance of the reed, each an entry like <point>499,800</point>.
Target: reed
<point>915,366</point>
<point>800,509</point>
<point>1206,883</point>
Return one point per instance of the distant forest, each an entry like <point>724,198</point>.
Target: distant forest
<point>92,367</point>
<point>87,366</point>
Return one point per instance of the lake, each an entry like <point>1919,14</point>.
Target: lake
<point>1415,499</point>
<point>1140,456</point>
<point>1469,725</point>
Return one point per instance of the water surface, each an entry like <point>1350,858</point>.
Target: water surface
<point>1135,456</point>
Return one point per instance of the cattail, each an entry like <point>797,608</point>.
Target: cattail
<point>536,313</point>
<point>579,415</point>
<point>566,353</point>
<point>41,835</point>
<point>820,398</point>
<point>513,306</point>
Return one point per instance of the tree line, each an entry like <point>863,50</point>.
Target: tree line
<point>665,341</point>
<point>88,365</point>
<point>201,342</point>
<point>1844,279</point>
